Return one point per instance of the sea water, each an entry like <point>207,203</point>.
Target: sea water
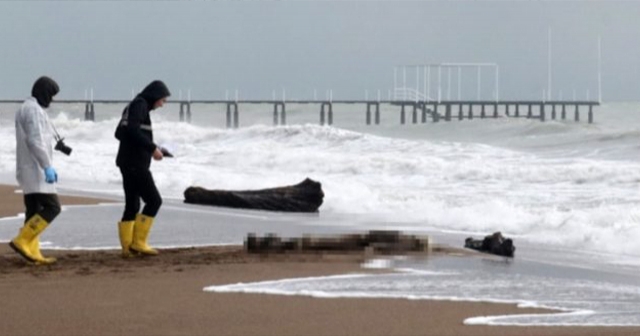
<point>568,194</point>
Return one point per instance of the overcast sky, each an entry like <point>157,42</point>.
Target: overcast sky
<point>347,46</point>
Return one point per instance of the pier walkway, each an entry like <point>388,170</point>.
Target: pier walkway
<point>418,111</point>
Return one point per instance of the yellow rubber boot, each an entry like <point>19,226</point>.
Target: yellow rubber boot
<point>24,242</point>
<point>40,259</point>
<point>125,231</point>
<point>141,230</point>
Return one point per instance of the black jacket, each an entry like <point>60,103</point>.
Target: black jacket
<point>134,129</point>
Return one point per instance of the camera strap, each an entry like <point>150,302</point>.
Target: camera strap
<point>56,136</point>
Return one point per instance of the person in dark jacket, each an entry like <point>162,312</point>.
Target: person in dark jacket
<point>134,159</point>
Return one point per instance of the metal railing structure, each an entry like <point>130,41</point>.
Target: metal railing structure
<point>423,83</point>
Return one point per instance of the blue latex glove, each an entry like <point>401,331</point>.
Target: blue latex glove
<point>50,175</point>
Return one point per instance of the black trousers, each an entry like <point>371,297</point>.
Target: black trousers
<point>138,184</point>
<point>45,205</point>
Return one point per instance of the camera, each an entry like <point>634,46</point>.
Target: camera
<point>61,146</point>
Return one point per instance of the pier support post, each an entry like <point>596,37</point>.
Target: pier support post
<point>283,113</point>
<point>377,113</point>
<point>232,115</point>
<point>89,112</point>
<point>460,114</point>
<point>564,112</point>
<point>577,113</point>
<point>506,110</point>
<point>517,111</point>
<point>236,116</point>
<point>447,113</point>
<point>495,111</point>
<point>330,117</point>
<point>279,107</point>
<point>591,114</point>
<point>553,111</point>
<point>185,112</point>
<point>482,112</point>
<point>436,114</point>
<point>470,111</point>
<point>530,113</point>
<point>543,116</point>
<point>424,112</point>
<point>402,115</point>
<point>275,114</point>
<point>414,116</point>
<point>329,110</point>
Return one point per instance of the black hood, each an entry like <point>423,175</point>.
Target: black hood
<point>43,90</point>
<point>155,91</point>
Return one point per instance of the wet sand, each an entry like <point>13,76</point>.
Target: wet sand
<point>98,293</point>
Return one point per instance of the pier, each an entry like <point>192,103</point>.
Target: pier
<point>409,111</point>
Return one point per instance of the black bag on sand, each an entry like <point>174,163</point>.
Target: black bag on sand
<point>494,244</point>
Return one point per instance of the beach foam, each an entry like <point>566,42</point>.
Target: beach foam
<point>583,298</point>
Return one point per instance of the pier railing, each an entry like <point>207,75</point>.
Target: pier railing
<point>421,110</point>
<point>409,94</point>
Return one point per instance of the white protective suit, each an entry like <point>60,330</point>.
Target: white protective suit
<point>34,148</point>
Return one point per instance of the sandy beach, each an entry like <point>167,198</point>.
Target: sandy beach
<point>98,293</point>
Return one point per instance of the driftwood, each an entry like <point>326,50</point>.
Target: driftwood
<point>376,241</point>
<point>494,244</point>
<point>305,196</point>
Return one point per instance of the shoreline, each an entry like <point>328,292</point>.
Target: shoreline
<point>97,292</point>
<point>11,204</point>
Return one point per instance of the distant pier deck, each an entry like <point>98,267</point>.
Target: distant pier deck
<point>413,112</point>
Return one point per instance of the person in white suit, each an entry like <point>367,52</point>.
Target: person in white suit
<point>34,169</point>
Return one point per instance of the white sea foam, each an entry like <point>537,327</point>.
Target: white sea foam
<point>377,264</point>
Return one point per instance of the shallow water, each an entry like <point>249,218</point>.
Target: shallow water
<point>583,296</point>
